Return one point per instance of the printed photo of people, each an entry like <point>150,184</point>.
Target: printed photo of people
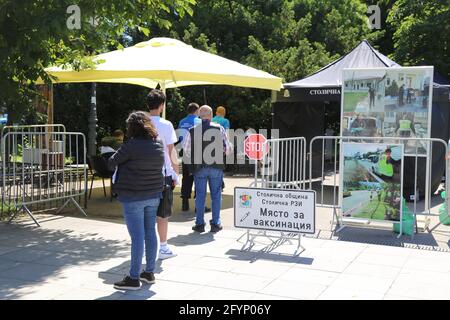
<point>372,181</point>
<point>388,102</point>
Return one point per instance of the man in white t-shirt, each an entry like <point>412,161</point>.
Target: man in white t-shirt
<point>156,102</point>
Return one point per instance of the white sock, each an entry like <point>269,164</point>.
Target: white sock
<point>163,245</point>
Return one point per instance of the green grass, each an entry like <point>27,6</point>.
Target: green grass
<point>351,100</point>
<point>374,210</point>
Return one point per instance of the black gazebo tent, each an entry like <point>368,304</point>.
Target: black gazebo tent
<point>312,107</point>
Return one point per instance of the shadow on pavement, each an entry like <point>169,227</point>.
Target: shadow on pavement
<point>190,239</point>
<point>39,254</point>
<point>253,256</point>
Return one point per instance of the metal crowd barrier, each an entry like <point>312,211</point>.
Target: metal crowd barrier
<point>324,153</point>
<point>42,168</point>
<point>284,164</point>
<point>36,128</point>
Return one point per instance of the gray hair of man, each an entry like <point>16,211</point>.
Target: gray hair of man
<point>205,112</point>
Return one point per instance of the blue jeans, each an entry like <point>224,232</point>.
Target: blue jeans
<point>214,178</point>
<point>140,217</point>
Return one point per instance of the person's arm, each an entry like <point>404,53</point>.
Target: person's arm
<point>173,158</point>
<point>392,161</point>
<point>121,156</point>
<point>171,140</point>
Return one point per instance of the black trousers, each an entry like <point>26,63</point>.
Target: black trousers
<point>186,182</point>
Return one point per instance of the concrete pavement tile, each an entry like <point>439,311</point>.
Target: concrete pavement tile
<point>262,297</point>
<point>334,244</point>
<point>373,270</point>
<point>309,276</point>
<point>340,252</point>
<point>207,249</point>
<point>167,290</point>
<point>193,275</point>
<point>441,264</point>
<point>182,259</point>
<point>418,290</point>
<point>310,242</point>
<point>262,268</point>
<point>30,272</point>
<point>239,282</point>
<point>86,294</point>
<point>72,277</point>
<point>110,265</point>
<point>166,272</point>
<point>145,295</point>
<point>26,255</point>
<point>215,264</point>
<point>432,278</point>
<point>9,287</point>
<point>363,282</point>
<point>4,250</point>
<point>41,291</point>
<point>388,250</point>
<point>61,259</point>
<point>7,264</point>
<point>117,295</point>
<point>150,295</point>
<point>293,289</point>
<point>397,297</point>
<point>326,264</point>
<point>381,259</point>
<point>100,281</point>
<point>430,254</point>
<point>212,293</point>
<point>339,293</point>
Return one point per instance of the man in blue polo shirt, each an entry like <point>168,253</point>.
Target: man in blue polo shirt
<point>188,179</point>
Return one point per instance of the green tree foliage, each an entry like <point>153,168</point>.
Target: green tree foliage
<point>422,33</point>
<point>35,34</point>
<point>288,38</point>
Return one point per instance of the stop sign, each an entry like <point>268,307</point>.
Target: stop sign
<point>255,146</point>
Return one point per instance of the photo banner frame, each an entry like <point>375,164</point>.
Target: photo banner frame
<point>372,181</point>
<point>388,102</point>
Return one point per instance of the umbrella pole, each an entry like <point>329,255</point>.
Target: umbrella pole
<point>92,122</point>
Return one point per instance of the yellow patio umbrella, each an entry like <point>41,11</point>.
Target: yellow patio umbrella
<point>169,63</point>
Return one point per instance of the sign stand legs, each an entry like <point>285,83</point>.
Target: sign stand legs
<point>299,246</point>
<point>279,240</point>
<point>339,224</point>
<point>249,243</point>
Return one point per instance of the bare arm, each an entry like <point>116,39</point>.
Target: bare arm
<point>173,157</point>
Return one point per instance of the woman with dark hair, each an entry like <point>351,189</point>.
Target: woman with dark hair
<point>138,183</point>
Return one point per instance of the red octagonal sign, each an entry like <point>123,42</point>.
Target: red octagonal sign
<point>255,146</point>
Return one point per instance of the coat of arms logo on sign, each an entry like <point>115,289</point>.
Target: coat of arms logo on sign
<point>245,201</point>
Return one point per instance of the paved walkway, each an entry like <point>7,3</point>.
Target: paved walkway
<point>381,233</point>
<point>79,258</point>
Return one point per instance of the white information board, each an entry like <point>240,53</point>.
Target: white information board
<point>275,210</point>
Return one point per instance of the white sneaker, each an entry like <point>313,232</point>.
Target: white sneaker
<point>166,253</point>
